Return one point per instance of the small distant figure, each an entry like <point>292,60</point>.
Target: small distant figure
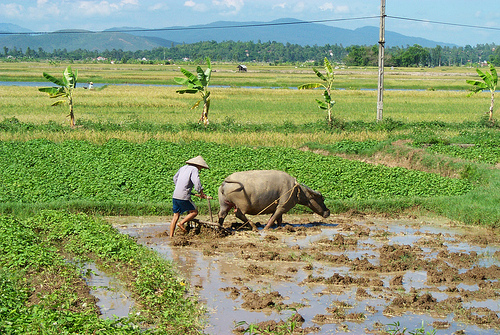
<point>185,179</point>
<point>91,85</point>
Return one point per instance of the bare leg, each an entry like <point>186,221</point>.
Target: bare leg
<point>191,215</point>
<point>174,223</point>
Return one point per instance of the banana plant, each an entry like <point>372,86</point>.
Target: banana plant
<point>198,84</point>
<point>489,82</point>
<point>327,84</point>
<point>65,90</point>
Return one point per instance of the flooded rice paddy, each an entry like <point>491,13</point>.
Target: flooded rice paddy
<point>345,274</point>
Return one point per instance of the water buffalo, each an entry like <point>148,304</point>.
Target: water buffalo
<point>265,192</point>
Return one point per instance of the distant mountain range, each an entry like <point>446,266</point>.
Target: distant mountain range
<point>132,39</point>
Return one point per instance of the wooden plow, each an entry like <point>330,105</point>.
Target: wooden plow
<point>197,223</point>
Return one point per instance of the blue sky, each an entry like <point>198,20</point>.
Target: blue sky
<point>51,15</point>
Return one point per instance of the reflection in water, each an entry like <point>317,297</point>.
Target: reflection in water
<point>113,299</point>
<point>210,274</point>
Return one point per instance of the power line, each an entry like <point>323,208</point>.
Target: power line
<point>442,23</point>
<point>192,28</point>
<point>251,25</point>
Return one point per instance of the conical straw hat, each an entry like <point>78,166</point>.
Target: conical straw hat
<point>198,161</point>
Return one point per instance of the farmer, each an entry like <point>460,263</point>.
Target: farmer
<point>185,179</point>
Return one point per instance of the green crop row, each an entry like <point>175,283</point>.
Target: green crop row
<point>476,153</point>
<point>349,147</point>
<point>40,277</point>
<point>41,171</point>
<point>477,145</point>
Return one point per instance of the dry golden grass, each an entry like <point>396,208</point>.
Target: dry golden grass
<point>161,104</point>
<point>247,138</point>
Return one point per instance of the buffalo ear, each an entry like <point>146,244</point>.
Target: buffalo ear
<point>308,191</point>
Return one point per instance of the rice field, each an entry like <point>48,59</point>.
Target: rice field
<point>121,103</point>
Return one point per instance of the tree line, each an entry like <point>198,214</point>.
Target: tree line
<point>276,53</point>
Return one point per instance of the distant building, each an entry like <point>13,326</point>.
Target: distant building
<point>242,68</point>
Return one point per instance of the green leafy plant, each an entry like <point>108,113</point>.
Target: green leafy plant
<point>287,326</point>
<point>35,250</point>
<point>65,90</point>
<point>327,85</point>
<point>198,84</point>
<point>489,82</point>
<point>395,329</point>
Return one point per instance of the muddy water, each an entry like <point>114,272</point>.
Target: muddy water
<point>113,299</point>
<point>344,274</point>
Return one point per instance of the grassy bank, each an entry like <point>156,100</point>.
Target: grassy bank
<point>43,288</point>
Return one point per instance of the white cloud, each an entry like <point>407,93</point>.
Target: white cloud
<point>236,5</point>
<point>328,6</point>
<point>43,9</point>
<point>102,8</point>
<point>342,9</point>
<point>299,7</point>
<point>11,10</point>
<point>93,8</point>
<point>158,6</point>
<point>195,6</point>
<point>280,5</point>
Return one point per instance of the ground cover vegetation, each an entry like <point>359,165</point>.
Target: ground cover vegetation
<point>43,285</point>
<point>41,171</point>
<point>435,151</point>
<point>272,52</point>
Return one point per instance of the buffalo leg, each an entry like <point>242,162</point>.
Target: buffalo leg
<point>277,216</point>
<point>225,207</point>
<point>239,214</point>
<point>279,220</point>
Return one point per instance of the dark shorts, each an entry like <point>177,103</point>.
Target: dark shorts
<point>181,206</point>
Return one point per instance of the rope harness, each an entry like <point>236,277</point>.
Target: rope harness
<point>275,202</point>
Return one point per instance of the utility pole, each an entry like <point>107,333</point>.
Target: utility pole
<point>381,52</point>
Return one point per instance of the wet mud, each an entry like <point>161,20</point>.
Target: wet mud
<point>345,274</point>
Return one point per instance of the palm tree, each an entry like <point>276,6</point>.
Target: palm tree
<point>327,85</point>
<point>489,82</point>
<point>198,84</point>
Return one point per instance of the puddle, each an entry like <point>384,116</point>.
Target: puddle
<point>315,268</point>
<point>113,299</point>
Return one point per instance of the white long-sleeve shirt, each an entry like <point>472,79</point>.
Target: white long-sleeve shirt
<point>185,179</point>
